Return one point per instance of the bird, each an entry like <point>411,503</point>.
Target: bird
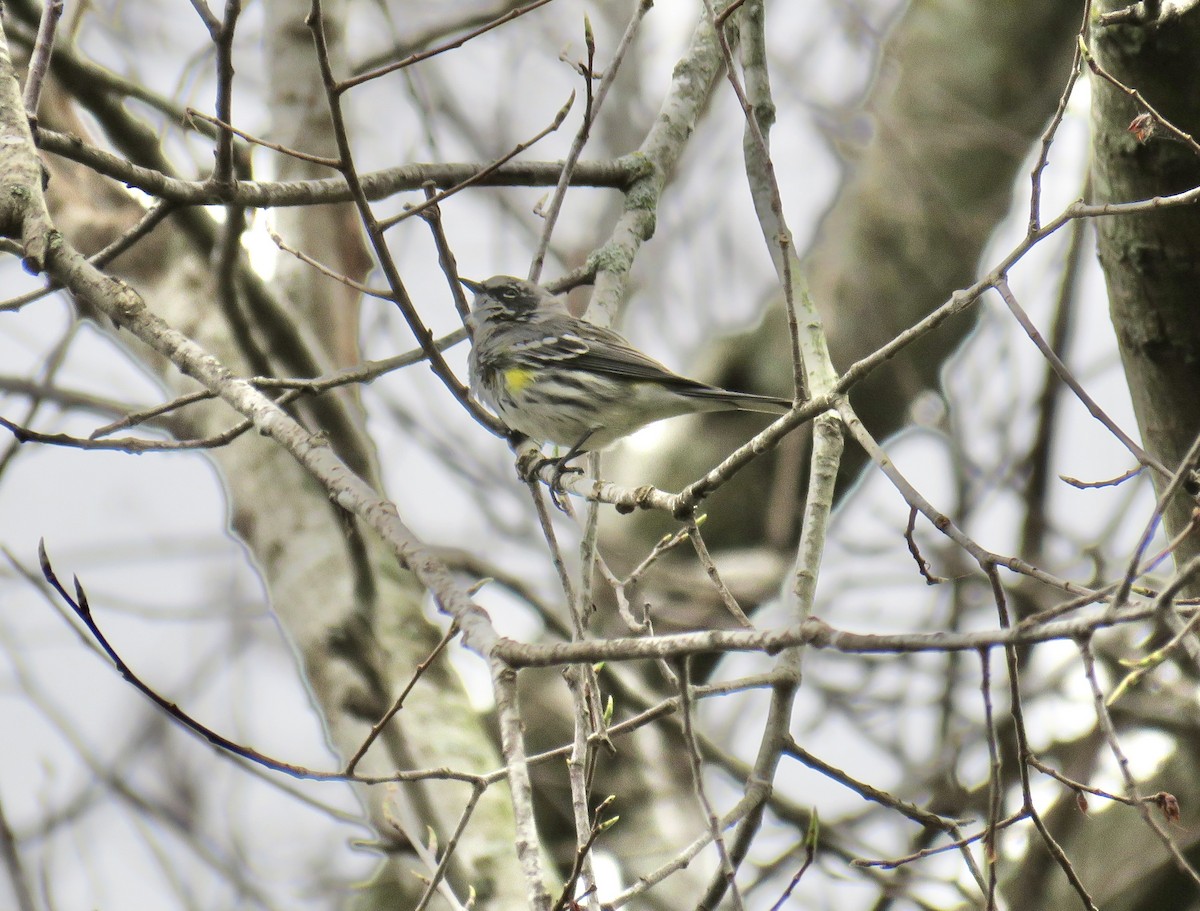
<point>556,378</point>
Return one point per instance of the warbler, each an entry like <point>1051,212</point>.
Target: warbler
<point>559,379</point>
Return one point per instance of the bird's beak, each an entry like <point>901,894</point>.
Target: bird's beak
<point>477,287</point>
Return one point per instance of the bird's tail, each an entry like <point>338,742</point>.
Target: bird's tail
<point>716,399</point>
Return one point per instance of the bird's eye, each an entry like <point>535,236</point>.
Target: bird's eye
<point>509,293</point>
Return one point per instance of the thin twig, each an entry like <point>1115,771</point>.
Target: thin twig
<point>39,60</point>
<point>810,854</point>
<point>710,568</point>
<point>1184,633</point>
<point>991,836</point>
<point>432,216</point>
<point>82,610</point>
<point>439,873</point>
<point>621,587</point>
<point>222,38</point>
<point>418,672</point>
<point>378,293</point>
<point>684,857</point>
<point>360,373</point>
<point>516,766</point>
<point>408,61</point>
<point>581,682</point>
<point>1107,482</point>
<point>1131,787</point>
<point>152,217</point>
<point>483,173</point>
<point>560,567</point>
<point>910,539</point>
<point>1064,373</point>
<point>133,445</point>
<point>1077,786</point>
<point>211,22</point>
<point>1035,177</point>
<point>758,110</point>
<point>1173,486</point>
<point>599,824</point>
<point>1017,709</point>
<point>266,144</point>
<point>957,845</point>
<point>594,99</point>
<point>1137,96</point>
<point>1037,484</point>
<point>715,828</point>
<point>316,23</point>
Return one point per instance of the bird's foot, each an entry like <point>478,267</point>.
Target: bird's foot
<point>529,468</point>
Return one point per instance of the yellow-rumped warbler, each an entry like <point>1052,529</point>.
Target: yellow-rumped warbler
<point>559,379</point>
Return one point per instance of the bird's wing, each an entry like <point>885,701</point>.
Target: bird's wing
<point>603,351</point>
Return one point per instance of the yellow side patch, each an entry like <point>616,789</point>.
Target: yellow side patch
<point>517,378</point>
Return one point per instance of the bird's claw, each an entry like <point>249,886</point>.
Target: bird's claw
<point>556,490</point>
<point>530,465</point>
